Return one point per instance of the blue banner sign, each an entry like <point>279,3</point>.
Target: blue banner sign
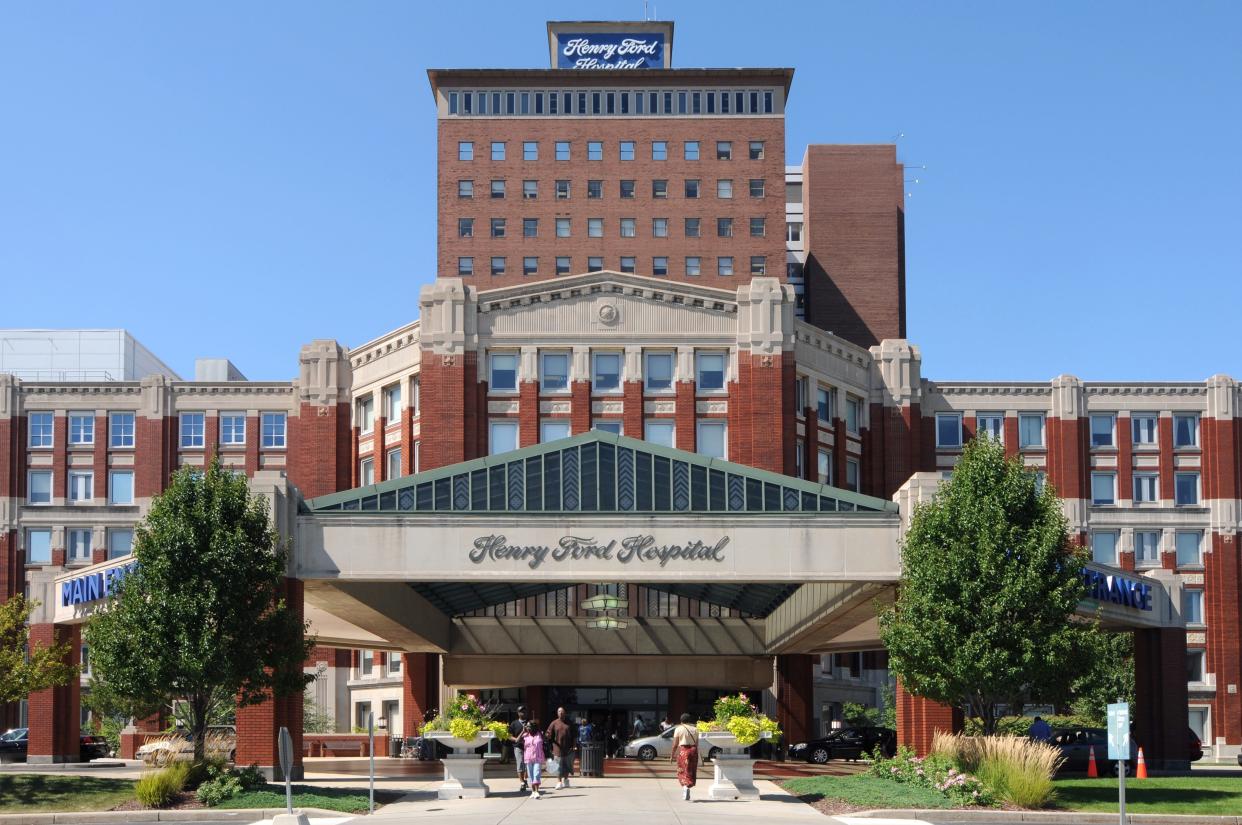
<point>1104,587</point>
<point>93,586</point>
<point>610,50</point>
<point>1119,731</point>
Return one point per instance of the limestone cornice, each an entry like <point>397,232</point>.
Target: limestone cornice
<point>1169,389</point>
<point>407,336</point>
<point>608,281</point>
<point>988,388</point>
<point>830,344</point>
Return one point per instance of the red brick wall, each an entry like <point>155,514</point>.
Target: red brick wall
<point>1222,604</point>
<point>795,697</point>
<point>1068,460</point>
<point>258,726</point>
<point>318,449</point>
<point>154,454</point>
<point>420,689</point>
<point>443,433</point>
<point>1160,718</point>
<point>54,715</point>
<point>894,447</point>
<point>918,719</point>
<point>762,420</point>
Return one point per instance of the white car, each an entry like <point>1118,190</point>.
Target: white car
<point>221,741</point>
<point>659,746</point>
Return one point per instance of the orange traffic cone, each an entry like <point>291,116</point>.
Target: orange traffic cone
<point>1092,771</point>
<point>1140,772</point>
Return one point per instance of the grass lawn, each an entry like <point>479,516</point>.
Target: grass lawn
<point>28,793</point>
<point>1164,795</point>
<point>346,800</point>
<point>865,792</point>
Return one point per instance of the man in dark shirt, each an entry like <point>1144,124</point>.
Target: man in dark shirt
<point>561,734</point>
<point>515,730</point>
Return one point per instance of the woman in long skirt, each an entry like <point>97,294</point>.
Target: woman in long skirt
<point>686,754</point>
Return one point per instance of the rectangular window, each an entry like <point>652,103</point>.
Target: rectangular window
<point>1103,489</point>
<point>366,472</point>
<point>465,150</point>
<point>692,188</point>
<point>1102,430</point>
<point>502,437</point>
<point>824,404</point>
<point>660,431</point>
<point>394,667</point>
<point>606,371</point>
<point>393,466</point>
<point>595,150</point>
<point>991,425</point>
<point>530,265</point>
<point>1189,548</point>
<point>595,189</point>
<point>757,187</point>
<point>627,150</point>
<point>232,429</point>
<point>628,263</point>
<point>40,428</point>
<point>724,227</point>
<point>562,150</point>
<point>709,369</point>
<point>949,430</point>
<point>79,545</point>
<point>530,150</point>
<point>724,189</point>
<point>659,150</point>
<point>1194,673</point>
<point>659,189</point>
<point>562,264</point>
<point>1104,547</point>
<point>81,428</point>
<point>364,410</point>
<point>1185,430</point>
<point>1146,490</point>
<point>465,189</point>
<point>659,266</point>
<point>1143,429</point>
<point>758,227</point>
<point>595,263</point>
<point>39,487</point>
<point>530,227</point>
<point>530,190</point>
<point>81,486</point>
<point>711,439</point>
<point>273,425</point>
<point>627,189</point>
<point>38,547</point>
<point>562,227</point>
<point>1146,548</point>
<point>724,150</point>
<point>121,487</point>
<point>465,266</point>
<point>1186,489</point>
<point>121,429</point>
<point>724,265</point>
<point>693,227</point>
<point>502,375</point>
<point>853,413</point>
<point>553,371</point>
<point>498,190</point>
<point>693,266</point>
<point>120,543</point>
<point>191,430</point>
<point>659,227</point>
<point>465,227</point>
<point>756,150</point>
<point>691,150</point>
<point>1192,606</point>
<point>628,228</point>
<point>1030,430</point>
<point>607,425</point>
<point>595,227</point>
<point>758,265</point>
<point>498,150</point>
<point>553,430</point>
<point>851,474</point>
<point>658,371</point>
<point>562,190</point>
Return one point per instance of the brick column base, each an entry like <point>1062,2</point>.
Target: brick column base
<point>1161,719</point>
<point>420,690</point>
<point>55,713</point>
<point>918,719</point>
<point>795,697</point>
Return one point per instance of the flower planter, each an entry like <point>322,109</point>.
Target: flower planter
<point>463,768</point>
<point>734,767</point>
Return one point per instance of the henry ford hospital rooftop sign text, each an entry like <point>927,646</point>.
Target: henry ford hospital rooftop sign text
<point>609,50</point>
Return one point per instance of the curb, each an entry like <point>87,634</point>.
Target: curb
<point>944,817</point>
<point>91,817</point>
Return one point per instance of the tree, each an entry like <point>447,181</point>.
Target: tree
<point>1109,677</point>
<point>200,623</point>
<point>990,581</point>
<point>23,669</point>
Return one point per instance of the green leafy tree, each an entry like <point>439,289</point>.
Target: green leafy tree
<point>200,623</point>
<point>314,718</point>
<point>1109,677</point>
<point>989,583</point>
<point>23,669</point>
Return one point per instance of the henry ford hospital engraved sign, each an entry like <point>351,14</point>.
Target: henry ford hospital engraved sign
<point>642,548</point>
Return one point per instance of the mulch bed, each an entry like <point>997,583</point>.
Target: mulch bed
<point>184,801</point>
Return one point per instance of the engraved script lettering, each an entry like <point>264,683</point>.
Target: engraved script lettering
<point>641,549</point>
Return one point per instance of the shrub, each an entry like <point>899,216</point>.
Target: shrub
<point>860,716</point>
<point>222,784</point>
<point>158,789</point>
<point>1021,725</point>
<point>936,772</point>
<point>1015,769</point>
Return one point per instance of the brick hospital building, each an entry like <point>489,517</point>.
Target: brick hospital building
<point>648,325</point>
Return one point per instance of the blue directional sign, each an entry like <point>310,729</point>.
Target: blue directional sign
<point>1119,731</point>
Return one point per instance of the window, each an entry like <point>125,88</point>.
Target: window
<point>1143,429</point>
<point>1146,548</point>
<point>530,150</point>
<point>659,189</point>
<point>693,227</point>
<point>691,150</point>
<point>724,188</point>
<point>121,429</point>
<point>530,265</point>
<point>758,265</point>
<point>497,227</point>
<point>79,545</point>
<point>498,150</point>
<point>1186,489</point>
<point>553,371</point>
<point>627,189</point>
<point>756,150</point>
<point>121,487</point>
<point>793,232</point>
<point>39,487</point>
<point>711,439</point>
<point>502,437</point>
<point>595,150</point>
<point>40,427</point>
<point>659,150</point>
<point>595,264</point>
<point>120,543</point>
<point>362,710</point>
<point>793,193</point>
<point>1145,488</point>
<point>530,190</point>
<point>465,189</point>
<point>692,188</point>
<point>851,474</point>
<point>709,368</point>
<point>659,266</point>
<point>81,486</point>
<point>1185,430</point>
<point>38,547</point>
<point>1030,430</point>
<point>1102,430</point>
<point>394,667</point>
<point>530,227</point>
<point>81,428</point>
<point>465,266</point>
<point>693,266</point>
<point>595,227</point>
<point>991,425</point>
<point>724,265</point>
<point>465,150</point>
<point>502,375</point>
<point>1189,548</point>
<point>364,416</point>
<point>366,472</point>
<point>627,150</point>
<point>823,404</point>
<point>191,430</point>
<point>1103,489</point>
<point>595,189</point>
<point>1194,673</point>
<point>562,150</point>
<point>465,227</point>
<point>658,371</point>
<point>659,227</point>
<point>758,227</point>
<point>607,425</point>
<point>853,413</point>
<point>724,150</point>
<point>1192,606</point>
<point>757,188</point>
<point>562,190</point>
<point>628,263</point>
<point>823,466</point>
<point>562,264</point>
<point>273,425</point>
<point>366,666</point>
<point>553,430</point>
<point>660,431</point>
<point>724,227</point>
<point>1040,478</point>
<point>606,371</point>
<point>562,227</point>
<point>948,429</point>
<point>232,429</point>
<point>628,228</point>
<point>1104,547</point>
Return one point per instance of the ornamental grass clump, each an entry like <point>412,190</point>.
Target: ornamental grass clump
<point>465,718</point>
<point>936,772</point>
<point>158,789</point>
<point>1014,769</point>
<point>739,717</point>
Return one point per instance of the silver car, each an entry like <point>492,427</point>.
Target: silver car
<point>658,746</point>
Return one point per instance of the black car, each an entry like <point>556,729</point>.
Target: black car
<point>846,743</point>
<point>1076,745</point>
<point>14,743</point>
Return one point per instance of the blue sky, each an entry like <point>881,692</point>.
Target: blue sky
<point>235,179</point>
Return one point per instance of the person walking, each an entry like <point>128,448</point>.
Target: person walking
<point>1041,731</point>
<point>686,753</point>
<point>516,728</point>
<point>530,743</point>
<point>639,727</point>
<point>561,734</point>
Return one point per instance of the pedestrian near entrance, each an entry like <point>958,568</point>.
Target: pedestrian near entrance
<point>530,743</point>
<point>686,753</point>
<point>561,734</point>
<point>639,727</point>
<point>516,728</point>
<point>1041,731</point>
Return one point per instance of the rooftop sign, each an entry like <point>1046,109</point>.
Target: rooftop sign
<point>610,50</point>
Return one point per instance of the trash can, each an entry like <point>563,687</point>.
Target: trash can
<point>394,747</point>
<point>592,756</point>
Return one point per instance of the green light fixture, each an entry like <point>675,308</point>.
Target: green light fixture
<point>606,623</point>
<point>604,601</point>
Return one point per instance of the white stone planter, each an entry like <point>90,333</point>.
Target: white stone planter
<point>463,768</point>
<point>733,766</point>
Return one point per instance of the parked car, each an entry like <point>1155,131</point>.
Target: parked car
<point>179,746</point>
<point>1075,745</point>
<point>846,743</point>
<point>15,742</point>
<point>659,746</point>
